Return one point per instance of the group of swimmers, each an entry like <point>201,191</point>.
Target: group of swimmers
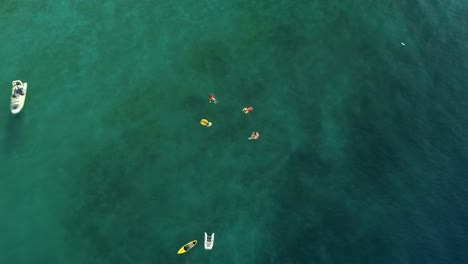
<point>211,98</point>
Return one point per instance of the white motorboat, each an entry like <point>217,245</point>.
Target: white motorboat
<point>18,96</point>
<point>209,241</point>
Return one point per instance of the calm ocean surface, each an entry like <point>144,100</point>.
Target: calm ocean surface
<point>363,154</point>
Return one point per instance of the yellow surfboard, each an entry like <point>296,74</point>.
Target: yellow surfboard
<point>187,247</point>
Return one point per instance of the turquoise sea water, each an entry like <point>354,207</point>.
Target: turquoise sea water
<point>362,156</point>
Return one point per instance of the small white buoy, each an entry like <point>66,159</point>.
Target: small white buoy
<point>402,43</point>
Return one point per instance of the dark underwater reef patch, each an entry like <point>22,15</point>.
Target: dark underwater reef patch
<point>317,224</point>
<point>209,57</point>
<point>107,206</point>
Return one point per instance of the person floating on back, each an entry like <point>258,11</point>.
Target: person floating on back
<point>212,99</point>
<point>205,122</point>
<point>255,135</point>
<point>247,109</point>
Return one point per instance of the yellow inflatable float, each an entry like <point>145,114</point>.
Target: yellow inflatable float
<point>205,122</point>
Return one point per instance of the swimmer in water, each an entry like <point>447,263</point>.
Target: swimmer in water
<point>212,99</point>
<point>247,110</point>
<point>255,135</point>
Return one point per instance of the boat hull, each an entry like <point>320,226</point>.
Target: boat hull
<point>209,241</point>
<point>17,103</point>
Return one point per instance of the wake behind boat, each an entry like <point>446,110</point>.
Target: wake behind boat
<point>187,247</point>
<point>18,96</point>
